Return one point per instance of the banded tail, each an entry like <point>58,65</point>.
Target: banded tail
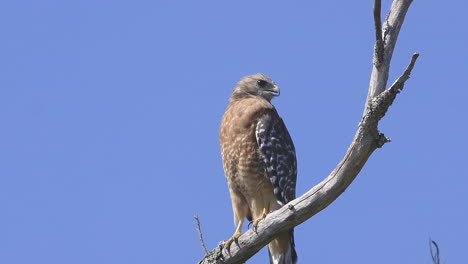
<point>282,249</point>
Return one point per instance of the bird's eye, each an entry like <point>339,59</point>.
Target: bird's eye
<point>261,83</point>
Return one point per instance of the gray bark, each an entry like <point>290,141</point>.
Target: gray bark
<point>366,140</point>
<point>386,38</point>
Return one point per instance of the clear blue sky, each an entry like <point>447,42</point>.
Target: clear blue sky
<point>110,113</point>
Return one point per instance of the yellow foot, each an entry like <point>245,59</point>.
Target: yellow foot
<point>228,243</point>
<point>236,235</point>
<point>255,222</point>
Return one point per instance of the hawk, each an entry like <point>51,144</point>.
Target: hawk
<point>259,160</point>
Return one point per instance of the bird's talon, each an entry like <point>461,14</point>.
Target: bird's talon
<point>234,238</point>
<point>255,222</point>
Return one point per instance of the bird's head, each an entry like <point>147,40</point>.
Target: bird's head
<point>255,85</point>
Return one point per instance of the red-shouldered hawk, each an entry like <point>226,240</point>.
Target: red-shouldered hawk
<point>259,160</point>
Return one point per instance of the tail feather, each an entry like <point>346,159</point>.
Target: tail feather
<point>282,249</point>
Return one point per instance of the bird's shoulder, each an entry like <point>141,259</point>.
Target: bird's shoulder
<point>249,109</point>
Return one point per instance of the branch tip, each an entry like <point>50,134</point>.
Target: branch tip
<point>399,83</point>
<point>200,234</point>
<point>379,43</point>
<point>434,255</point>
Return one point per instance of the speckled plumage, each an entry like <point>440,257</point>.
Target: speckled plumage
<point>259,158</point>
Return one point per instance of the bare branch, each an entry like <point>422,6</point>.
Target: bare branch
<point>379,44</point>
<point>201,234</point>
<point>378,104</point>
<point>366,140</point>
<point>434,255</point>
<point>398,84</point>
<point>391,29</point>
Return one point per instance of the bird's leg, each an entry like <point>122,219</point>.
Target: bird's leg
<point>255,222</point>
<point>236,235</point>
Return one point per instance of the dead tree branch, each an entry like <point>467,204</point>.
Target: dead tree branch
<point>379,44</point>
<point>200,234</point>
<point>386,38</point>
<point>434,255</point>
<point>366,140</point>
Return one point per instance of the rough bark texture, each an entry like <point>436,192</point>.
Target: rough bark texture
<point>366,140</point>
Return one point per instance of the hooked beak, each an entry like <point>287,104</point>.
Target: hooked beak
<point>275,90</point>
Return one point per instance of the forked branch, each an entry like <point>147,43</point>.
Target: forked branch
<point>366,140</point>
<point>383,49</point>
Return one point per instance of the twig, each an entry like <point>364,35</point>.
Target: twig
<point>376,104</point>
<point>398,84</point>
<point>201,234</point>
<point>379,43</point>
<point>434,255</point>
